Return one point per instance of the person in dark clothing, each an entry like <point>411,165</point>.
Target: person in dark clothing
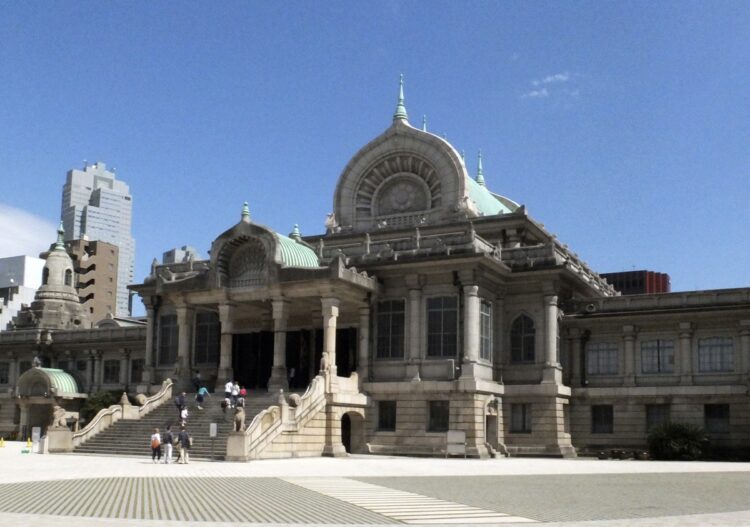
<point>197,380</point>
<point>185,440</point>
<point>168,442</point>
<point>180,402</point>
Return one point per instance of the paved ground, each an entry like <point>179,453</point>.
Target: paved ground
<point>41,490</point>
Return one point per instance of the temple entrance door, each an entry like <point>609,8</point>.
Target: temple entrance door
<point>252,359</point>
<point>346,351</point>
<point>346,433</point>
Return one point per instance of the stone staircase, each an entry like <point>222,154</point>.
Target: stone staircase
<point>132,437</point>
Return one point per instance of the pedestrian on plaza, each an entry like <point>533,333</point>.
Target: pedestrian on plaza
<point>168,442</point>
<point>201,396</point>
<point>197,380</point>
<point>180,402</point>
<point>228,389</point>
<point>155,446</point>
<point>185,443</point>
<point>235,393</point>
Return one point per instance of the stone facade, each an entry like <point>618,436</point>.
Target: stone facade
<point>432,304</point>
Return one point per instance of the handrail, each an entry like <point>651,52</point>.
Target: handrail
<point>108,416</point>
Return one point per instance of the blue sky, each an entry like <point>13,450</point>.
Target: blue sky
<point>623,127</point>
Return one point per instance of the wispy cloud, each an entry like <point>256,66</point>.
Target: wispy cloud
<point>545,86</point>
<point>24,233</point>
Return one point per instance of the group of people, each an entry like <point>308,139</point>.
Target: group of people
<point>183,439</point>
<point>234,396</point>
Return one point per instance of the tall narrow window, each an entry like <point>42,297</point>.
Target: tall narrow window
<point>111,371</point>
<point>167,339</point>
<point>657,356</point>
<point>485,331</point>
<point>602,419</point>
<point>716,354</point>
<point>522,339</point>
<point>387,416</point>
<point>716,418</point>
<point>207,337</point>
<point>136,370</point>
<point>390,320</point>
<point>442,326</point>
<point>68,277</point>
<point>4,373</point>
<point>45,276</point>
<point>601,358</point>
<point>438,416</point>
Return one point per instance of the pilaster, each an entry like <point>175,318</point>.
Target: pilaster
<point>225,372</point>
<point>552,371</point>
<point>686,352</point>
<point>471,331</point>
<point>628,337</point>
<point>278,380</point>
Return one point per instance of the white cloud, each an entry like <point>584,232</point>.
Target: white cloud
<point>557,77</point>
<point>537,94</point>
<point>24,233</point>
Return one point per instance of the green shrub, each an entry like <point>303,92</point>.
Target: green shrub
<point>677,441</point>
<point>95,402</point>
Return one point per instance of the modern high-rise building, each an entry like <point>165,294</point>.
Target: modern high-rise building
<point>98,207</point>
<point>20,277</point>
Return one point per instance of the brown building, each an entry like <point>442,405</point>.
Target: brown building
<point>96,275</point>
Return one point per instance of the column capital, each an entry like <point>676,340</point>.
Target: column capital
<point>471,290</point>
<point>686,329</point>
<point>280,308</point>
<point>183,312</point>
<point>414,281</point>
<point>629,332</point>
<point>550,300</point>
<point>330,306</point>
<point>364,311</point>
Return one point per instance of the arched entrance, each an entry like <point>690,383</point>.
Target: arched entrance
<point>352,432</point>
<point>39,390</point>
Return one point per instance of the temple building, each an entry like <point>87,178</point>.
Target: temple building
<point>431,304</point>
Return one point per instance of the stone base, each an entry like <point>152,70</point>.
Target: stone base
<point>552,375</point>
<point>59,440</point>
<point>334,451</point>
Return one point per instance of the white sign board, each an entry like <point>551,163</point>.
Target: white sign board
<point>213,430</point>
<point>36,433</point>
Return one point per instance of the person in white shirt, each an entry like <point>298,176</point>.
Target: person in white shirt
<point>235,393</point>
<point>228,389</point>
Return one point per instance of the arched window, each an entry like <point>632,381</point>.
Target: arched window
<point>45,276</point>
<point>522,340</point>
<point>68,277</point>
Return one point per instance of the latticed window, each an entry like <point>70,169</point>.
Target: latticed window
<point>602,419</point>
<point>485,331</point>
<point>387,416</point>
<point>111,371</point>
<point>657,356</point>
<point>390,329</point>
<point>716,354</point>
<point>442,326</point>
<point>601,358</point>
<point>520,418</point>
<point>136,370</point>
<point>522,339</point>
<point>207,338</point>
<point>167,339</point>
<point>438,416</point>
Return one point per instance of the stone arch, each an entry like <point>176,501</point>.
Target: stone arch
<point>353,431</point>
<point>245,262</point>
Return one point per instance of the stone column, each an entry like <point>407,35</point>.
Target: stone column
<point>181,375</point>
<point>225,372</point>
<point>628,337</point>
<point>125,369</point>
<point>414,330</point>
<point>363,357</point>
<point>90,372</point>
<point>97,370</point>
<point>686,352</point>
<point>313,364</point>
<point>278,380</point>
<point>744,365</point>
<point>471,331</point>
<point>148,358</point>
<point>552,372</point>
<point>330,309</point>
<point>498,337</point>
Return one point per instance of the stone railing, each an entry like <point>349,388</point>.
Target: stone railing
<point>270,423</point>
<point>108,416</point>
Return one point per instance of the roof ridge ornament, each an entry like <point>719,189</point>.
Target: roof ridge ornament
<point>424,123</point>
<point>400,114</point>
<point>480,172</point>
<point>245,213</point>
<point>295,234</point>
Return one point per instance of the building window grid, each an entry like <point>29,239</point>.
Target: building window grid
<point>167,339</point>
<point>522,339</point>
<point>657,356</point>
<point>207,338</point>
<point>442,326</point>
<point>390,327</point>
<point>485,331</point>
<point>520,418</point>
<point>111,372</point>
<point>602,419</point>
<point>716,418</point>
<point>657,415</point>
<point>136,370</point>
<point>387,416</point>
<point>716,354</point>
<point>601,358</point>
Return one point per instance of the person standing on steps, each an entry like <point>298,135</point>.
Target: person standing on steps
<point>197,380</point>
<point>155,446</point>
<point>235,393</point>
<point>168,442</point>
<point>180,402</point>
<point>185,443</point>
<point>228,389</point>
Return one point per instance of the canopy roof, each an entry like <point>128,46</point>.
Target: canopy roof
<point>47,382</point>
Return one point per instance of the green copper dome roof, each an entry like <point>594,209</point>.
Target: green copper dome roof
<point>54,383</point>
<point>486,203</point>
<point>294,254</point>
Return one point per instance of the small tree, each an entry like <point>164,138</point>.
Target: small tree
<point>95,402</point>
<point>677,441</point>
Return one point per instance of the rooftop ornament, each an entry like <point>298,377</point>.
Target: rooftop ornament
<point>480,173</point>
<point>400,114</point>
<point>245,213</point>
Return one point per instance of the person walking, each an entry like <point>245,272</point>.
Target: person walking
<point>180,402</point>
<point>228,389</point>
<point>185,442</point>
<point>168,442</point>
<point>197,380</point>
<point>201,396</point>
<point>235,393</point>
<point>155,446</point>
<point>183,416</point>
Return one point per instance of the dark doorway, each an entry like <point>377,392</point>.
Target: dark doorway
<point>252,359</point>
<point>346,351</point>
<point>346,433</point>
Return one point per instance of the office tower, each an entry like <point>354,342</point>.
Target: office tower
<point>20,277</point>
<point>98,207</point>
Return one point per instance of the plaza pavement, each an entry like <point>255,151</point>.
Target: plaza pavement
<point>42,490</point>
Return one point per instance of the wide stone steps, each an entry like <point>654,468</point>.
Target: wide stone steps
<point>133,437</point>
